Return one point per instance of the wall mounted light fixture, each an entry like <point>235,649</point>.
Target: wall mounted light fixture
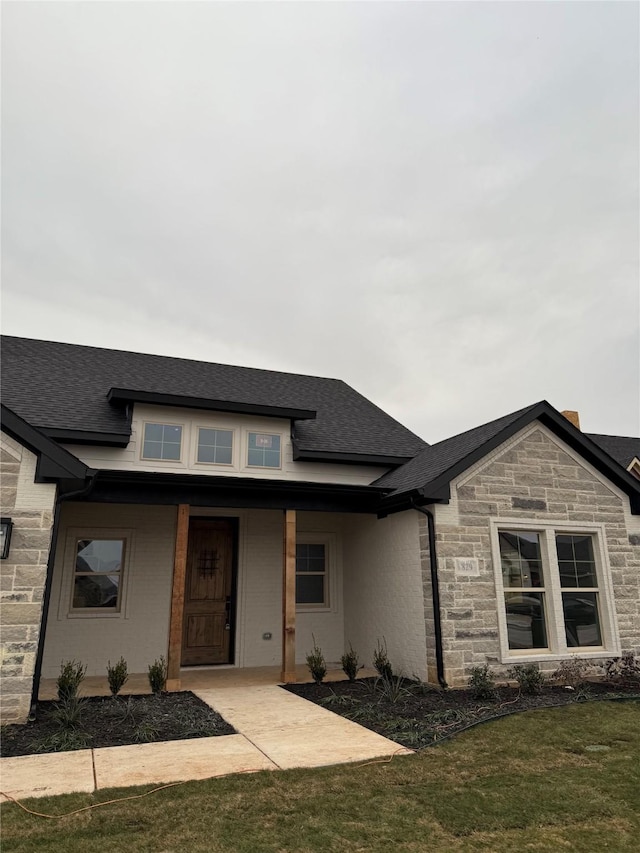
<point>6,526</point>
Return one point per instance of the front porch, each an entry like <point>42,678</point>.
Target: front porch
<point>367,587</point>
<point>200,679</point>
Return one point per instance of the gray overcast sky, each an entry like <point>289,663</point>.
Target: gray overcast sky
<point>436,202</point>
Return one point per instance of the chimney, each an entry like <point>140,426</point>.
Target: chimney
<point>574,417</point>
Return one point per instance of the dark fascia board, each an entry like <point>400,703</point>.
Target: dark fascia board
<point>203,490</point>
<point>438,490</point>
<point>54,462</point>
<point>300,455</point>
<point>78,436</point>
<point>125,395</point>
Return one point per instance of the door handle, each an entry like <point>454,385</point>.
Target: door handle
<point>227,613</point>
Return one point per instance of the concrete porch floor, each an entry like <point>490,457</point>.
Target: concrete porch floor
<point>199,678</point>
<point>276,730</point>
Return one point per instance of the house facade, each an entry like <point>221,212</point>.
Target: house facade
<point>222,516</point>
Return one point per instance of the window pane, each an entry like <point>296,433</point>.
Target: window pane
<point>170,451</point>
<point>310,589</point>
<point>264,450</point>
<point>583,548</point>
<point>99,555</point>
<point>586,574</point>
<point>526,625</point>
<point>567,574</point>
<point>581,619</point>
<point>162,441</point>
<point>520,556</point>
<point>306,559</point>
<point>215,446</point>
<point>152,450</point>
<point>564,547</point>
<point>96,591</point>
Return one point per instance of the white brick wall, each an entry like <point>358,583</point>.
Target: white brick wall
<point>383,590</point>
<point>141,632</point>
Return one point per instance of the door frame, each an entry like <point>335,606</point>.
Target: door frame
<point>234,523</point>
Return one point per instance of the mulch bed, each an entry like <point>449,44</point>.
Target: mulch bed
<point>419,715</point>
<point>116,722</point>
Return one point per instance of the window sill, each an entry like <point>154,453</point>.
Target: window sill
<point>89,614</point>
<point>538,655</point>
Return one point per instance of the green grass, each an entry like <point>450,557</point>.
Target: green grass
<point>523,783</point>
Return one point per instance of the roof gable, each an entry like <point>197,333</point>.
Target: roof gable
<point>428,475</point>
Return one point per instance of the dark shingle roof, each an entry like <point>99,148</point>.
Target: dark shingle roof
<point>624,449</point>
<point>60,386</point>
<point>429,473</point>
<point>439,458</point>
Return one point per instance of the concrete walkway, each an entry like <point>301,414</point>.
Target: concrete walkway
<point>276,730</point>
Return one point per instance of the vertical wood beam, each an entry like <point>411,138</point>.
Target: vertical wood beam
<point>288,674</point>
<point>177,598</point>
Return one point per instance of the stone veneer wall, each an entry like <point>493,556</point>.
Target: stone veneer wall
<point>534,478</point>
<point>30,506</point>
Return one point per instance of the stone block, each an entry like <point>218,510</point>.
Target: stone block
<point>21,613</point>
<point>634,539</point>
<point>528,503</point>
<point>29,577</point>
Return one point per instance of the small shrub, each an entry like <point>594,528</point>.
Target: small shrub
<point>127,711</point>
<point>316,663</point>
<point>392,689</point>
<point>117,676</point>
<point>63,741</point>
<point>158,675</point>
<point>572,673</point>
<point>72,674</point>
<point>67,712</point>
<point>350,664</point>
<point>381,661</point>
<point>624,670</point>
<point>482,683</point>
<point>146,733</point>
<point>529,678</point>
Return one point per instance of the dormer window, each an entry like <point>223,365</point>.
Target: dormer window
<point>264,450</point>
<point>162,441</point>
<point>215,446</point>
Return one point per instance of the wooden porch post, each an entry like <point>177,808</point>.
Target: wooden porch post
<point>288,674</point>
<point>177,598</point>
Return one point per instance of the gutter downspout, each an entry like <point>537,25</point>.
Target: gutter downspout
<point>46,598</point>
<point>435,592</point>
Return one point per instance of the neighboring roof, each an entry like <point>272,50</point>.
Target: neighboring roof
<point>54,462</point>
<point>63,390</point>
<point>624,449</point>
<point>427,476</point>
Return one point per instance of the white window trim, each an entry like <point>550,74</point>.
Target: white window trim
<point>73,534</point>
<point>329,542</point>
<point>234,447</point>
<point>183,441</point>
<point>246,450</point>
<point>556,637</point>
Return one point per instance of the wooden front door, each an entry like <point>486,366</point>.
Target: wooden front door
<point>209,589</point>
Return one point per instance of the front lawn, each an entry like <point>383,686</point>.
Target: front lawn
<point>552,780</point>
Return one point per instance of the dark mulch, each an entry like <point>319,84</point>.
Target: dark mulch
<point>419,715</point>
<point>116,722</point>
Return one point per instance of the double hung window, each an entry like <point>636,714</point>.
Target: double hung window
<point>553,590</point>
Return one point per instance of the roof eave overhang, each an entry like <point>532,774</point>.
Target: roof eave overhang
<point>54,462</point>
<point>241,492</point>
<point>84,437</point>
<point>301,454</point>
<point>123,396</point>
